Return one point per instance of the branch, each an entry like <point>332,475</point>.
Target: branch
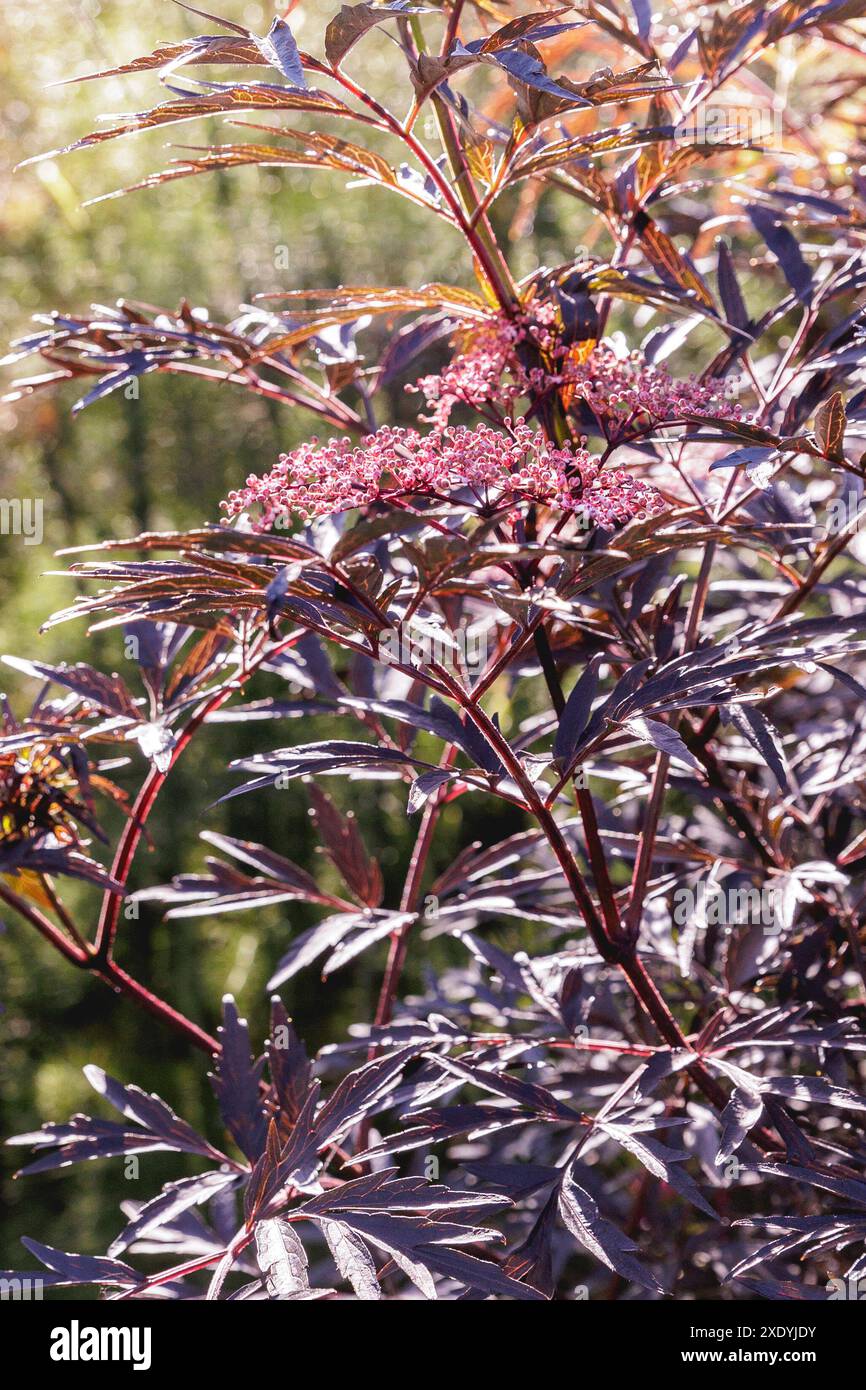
<point>110,973</point>
<point>153,784</point>
<point>620,952</point>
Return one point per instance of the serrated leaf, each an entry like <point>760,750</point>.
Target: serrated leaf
<point>830,427</point>
<point>282,1259</point>
<point>600,1237</point>
<point>354,21</point>
<point>352,1259</point>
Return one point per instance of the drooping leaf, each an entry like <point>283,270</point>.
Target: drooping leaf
<point>575,716</point>
<point>742,1112</point>
<point>353,1259</point>
<point>282,1259</point>
<point>830,427</point>
<point>352,22</point>
<point>175,1198</point>
<point>67,1270</point>
<point>785,247</point>
<point>236,1084</point>
<point>279,48</point>
<point>599,1236</point>
<point>662,737</point>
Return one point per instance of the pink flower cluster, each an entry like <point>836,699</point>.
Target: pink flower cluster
<point>628,390</point>
<point>488,371</point>
<point>624,391</point>
<point>496,468</point>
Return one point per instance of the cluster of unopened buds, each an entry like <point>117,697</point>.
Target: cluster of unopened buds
<point>487,372</point>
<point>624,391</point>
<point>487,469</point>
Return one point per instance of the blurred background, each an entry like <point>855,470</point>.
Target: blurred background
<point>165,461</point>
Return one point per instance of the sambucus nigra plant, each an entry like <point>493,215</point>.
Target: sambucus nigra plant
<point>662,571</point>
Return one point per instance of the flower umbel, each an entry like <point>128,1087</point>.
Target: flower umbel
<point>488,370</point>
<point>483,468</point>
<point>624,391</point>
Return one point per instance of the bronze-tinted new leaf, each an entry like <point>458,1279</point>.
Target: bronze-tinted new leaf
<point>830,427</point>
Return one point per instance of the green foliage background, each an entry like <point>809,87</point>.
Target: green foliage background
<point>164,461</point>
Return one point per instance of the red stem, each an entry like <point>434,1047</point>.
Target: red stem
<point>151,787</point>
<point>620,953</point>
<point>123,983</point>
<point>74,953</point>
<point>110,972</point>
<point>646,846</point>
<point>431,168</point>
<point>408,903</point>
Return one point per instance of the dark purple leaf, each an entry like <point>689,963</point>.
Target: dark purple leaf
<point>67,1270</point>
<point>235,1081</point>
<point>785,247</point>
<point>279,48</point>
<point>602,1239</point>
